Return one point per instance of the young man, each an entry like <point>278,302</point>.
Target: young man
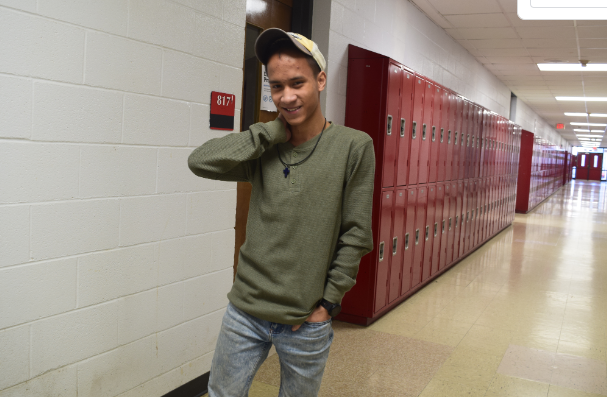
<point>309,224</point>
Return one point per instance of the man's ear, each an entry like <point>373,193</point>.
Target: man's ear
<point>321,80</point>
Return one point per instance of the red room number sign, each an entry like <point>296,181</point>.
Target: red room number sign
<point>222,111</point>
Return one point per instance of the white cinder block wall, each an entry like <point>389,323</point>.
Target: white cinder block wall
<point>115,260</point>
<point>398,29</point>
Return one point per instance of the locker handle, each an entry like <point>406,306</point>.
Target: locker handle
<point>394,245</point>
<point>414,133</point>
<point>424,132</point>
<point>450,219</point>
<point>427,232</point>
<point>381,251</point>
<point>456,220</point>
<point>403,122</point>
<point>389,125</point>
<point>416,236</point>
<point>442,135</point>
<point>449,138</point>
<point>435,228</point>
<point>455,141</point>
<point>433,133</point>
<point>406,241</point>
<point>443,232</point>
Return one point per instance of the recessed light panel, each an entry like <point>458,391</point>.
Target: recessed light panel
<point>562,9</point>
<point>589,124</point>
<point>572,67</point>
<point>582,98</point>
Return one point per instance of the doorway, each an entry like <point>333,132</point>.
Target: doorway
<point>288,15</point>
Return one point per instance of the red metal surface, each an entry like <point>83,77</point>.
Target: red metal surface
<point>435,144</point>
<point>384,257</point>
<point>409,240</point>
<point>418,237</point>
<point>444,243</point>
<point>426,136</point>
<point>437,231</point>
<point>429,233</point>
<point>443,137</point>
<point>398,244</point>
<point>406,109</point>
<point>595,166</point>
<point>464,218</point>
<point>416,134</point>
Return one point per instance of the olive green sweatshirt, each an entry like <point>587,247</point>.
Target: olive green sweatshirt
<point>306,232</point>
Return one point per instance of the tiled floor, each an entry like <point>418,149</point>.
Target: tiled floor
<point>525,315</point>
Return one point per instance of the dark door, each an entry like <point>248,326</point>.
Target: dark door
<point>595,166</point>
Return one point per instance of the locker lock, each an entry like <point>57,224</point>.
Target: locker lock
<point>403,122</point>
<point>406,241</point>
<point>389,125</point>
<point>381,251</point>
<point>427,232</point>
<point>416,236</point>
<point>433,133</point>
<point>394,245</point>
<point>424,132</point>
<point>414,133</point>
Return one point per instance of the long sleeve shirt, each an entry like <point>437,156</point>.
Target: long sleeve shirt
<point>306,232</point>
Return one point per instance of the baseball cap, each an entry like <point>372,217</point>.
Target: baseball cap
<point>302,43</point>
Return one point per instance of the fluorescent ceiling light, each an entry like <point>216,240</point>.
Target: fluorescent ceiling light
<point>576,130</point>
<point>586,114</point>
<point>598,115</point>
<point>572,67</point>
<point>582,98</point>
<point>590,124</point>
<point>590,136</point>
<point>561,9</point>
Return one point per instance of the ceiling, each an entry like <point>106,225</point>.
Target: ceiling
<point>511,48</point>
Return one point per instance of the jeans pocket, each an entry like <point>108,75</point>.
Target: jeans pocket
<point>318,324</point>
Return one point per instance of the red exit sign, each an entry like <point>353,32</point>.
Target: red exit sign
<point>560,126</point>
<point>222,111</point>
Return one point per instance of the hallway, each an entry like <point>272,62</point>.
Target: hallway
<point>524,315</point>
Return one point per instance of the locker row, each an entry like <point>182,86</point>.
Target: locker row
<point>423,132</point>
<point>543,169</point>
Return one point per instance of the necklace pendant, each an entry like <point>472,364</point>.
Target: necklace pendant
<point>286,171</point>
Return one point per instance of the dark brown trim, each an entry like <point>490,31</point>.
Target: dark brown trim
<point>301,17</point>
<point>194,388</point>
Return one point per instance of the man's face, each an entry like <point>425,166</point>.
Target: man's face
<point>295,89</point>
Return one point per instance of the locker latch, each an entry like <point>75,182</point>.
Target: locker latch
<point>414,133</point>
<point>403,122</point>
<point>389,125</point>
<point>394,245</point>
<point>381,251</point>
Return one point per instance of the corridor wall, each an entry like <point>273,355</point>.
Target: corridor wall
<point>445,179</point>
<point>543,170</point>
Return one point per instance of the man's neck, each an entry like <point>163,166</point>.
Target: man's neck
<point>307,130</point>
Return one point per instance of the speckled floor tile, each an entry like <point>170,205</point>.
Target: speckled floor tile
<point>506,386</point>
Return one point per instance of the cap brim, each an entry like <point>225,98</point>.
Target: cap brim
<point>269,36</point>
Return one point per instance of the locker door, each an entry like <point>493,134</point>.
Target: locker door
<point>464,218</point>
<point>472,219</point>
<point>458,220</point>
<point>481,225</point>
<point>479,131</point>
<point>409,240</point>
<point>385,244</point>
<point>477,215</point>
<point>453,217</point>
<point>406,111</point>
<point>435,135</point>
<point>444,129</point>
<point>437,230</point>
<point>457,139</point>
<point>444,229</point>
<point>392,117</point>
<point>464,137</point>
<point>468,144</point>
<point>426,133</point>
<point>450,137</point>
<point>397,246</point>
<point>416,129</point>
<point>429,233</point>
<point>418,238</point>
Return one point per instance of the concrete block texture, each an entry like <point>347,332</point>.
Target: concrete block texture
<point>108,15</point>
<point>73,227</point>
<point>189,78</point>
<point>108,171</point>
<point>152,218</point>
<point>72,113</point>
<point>36,291</point>
<point>206,293</point>
<point>103,276</point>
<point>14,234</point>
<point>40,47</point>
<point>14,343</point>
<point>156,121</point>
<point>211,7</point>
<point>201,217</point>
<point>62,382</point>
<point>144,308</point>
<point>26,5</point>
<point>174,174</point>
<point>71,337</point>
<point>122,64</point>
<point>37,172</point>
<point>15,107</point>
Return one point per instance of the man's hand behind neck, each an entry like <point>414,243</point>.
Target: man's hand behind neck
<point>301,134</point>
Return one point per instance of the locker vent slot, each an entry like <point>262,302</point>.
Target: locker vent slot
<point>427,232</point>
<point>414,133</point>
<point>394,245</point>
<point>424,132</point>
<point>433,134</point>
<point>381,251</point>
<point>389,125</point>
<point>435,228</point>
<point>416,236</point>
<point>406,241</point>
<point>403,122</point>
<point>442,134</point>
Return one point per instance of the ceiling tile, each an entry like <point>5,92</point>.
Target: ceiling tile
<point>509,60</point>
<point>484,33</point>
<point>546,32</point>
<point>594,32</point>
<point>478,21</point>
<point>503,52</point>
<point>550,43</point>
<point>497,43</point>
<point>516,21</point>
<point>508,5</point>
<point>449,7</point>
<point>593,43</point>
<point>432,13</point>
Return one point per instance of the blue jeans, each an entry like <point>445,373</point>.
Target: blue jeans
<point>243,345</point>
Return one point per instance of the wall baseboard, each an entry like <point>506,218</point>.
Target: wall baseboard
<point>194,388</point>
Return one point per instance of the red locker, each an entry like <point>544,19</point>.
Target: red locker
<point>464,218</point>
<point>438,230</point>
<point>477,148</point>
<point>406,111</point>
<point>384,246</point>
<point>464,136</point>
<point>477,213</point>
<point>445,227</point>
<point>457,139</point>
<point>484,134</point>
<point>469,119</point>
<point>420,226</point>
<point>416,130</point>
<point>424,151</point>
<point>449,174</point>
<point>429,233</point>
<point>453,221</point>
<point>481,209</point>
<point>397,245</point>
<point>458,220</point>
<point>472,218</point>
<point>443,137</point>
<point>408,243</point>
<point>435,133</point>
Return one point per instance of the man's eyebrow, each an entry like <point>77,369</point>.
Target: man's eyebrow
<point>291,79</point>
